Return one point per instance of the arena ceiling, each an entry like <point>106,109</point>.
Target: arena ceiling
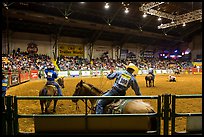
<point>90,21</point>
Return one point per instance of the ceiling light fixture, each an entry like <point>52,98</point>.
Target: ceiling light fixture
<point>175,19</point>
<point>144,15</point>
<point>66,17</point>
<point>172,21</point>
<point>106,5</point>
<point>140,28</point>
<point>5,5</point>
<point>184,24</point>
<point>126,10</point>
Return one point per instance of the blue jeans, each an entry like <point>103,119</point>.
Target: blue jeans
<point>103,102</point>
<point>3,93</point>
<point>56,85</point>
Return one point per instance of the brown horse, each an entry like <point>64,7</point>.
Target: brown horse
<point>123,106</point>
<point>149,80</point>
<point>50,90</point>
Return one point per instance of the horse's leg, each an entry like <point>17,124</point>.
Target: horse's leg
<point>55,104</point>
<point>46,108</point>
<point>153,82</point>
<point>42,106</point>
<point>146,84</point>
<point>150,83</point>
<point>47,104</point>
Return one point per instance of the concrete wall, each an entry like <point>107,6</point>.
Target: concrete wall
<point>46,45</point>
<point>196,46</point>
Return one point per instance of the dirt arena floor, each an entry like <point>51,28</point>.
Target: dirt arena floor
<point>186,84</point>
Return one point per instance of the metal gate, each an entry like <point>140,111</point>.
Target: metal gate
<point>165,111</point>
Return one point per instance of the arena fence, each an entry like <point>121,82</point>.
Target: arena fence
<point>18,77</point>
<point>165,111</point>
<point>194,120</point>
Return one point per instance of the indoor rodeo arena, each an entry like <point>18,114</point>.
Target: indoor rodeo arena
<point>101,68</point>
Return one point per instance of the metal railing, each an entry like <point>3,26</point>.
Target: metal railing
<point>166,111</point>
<point>14,116</point>
<point>174,115</point>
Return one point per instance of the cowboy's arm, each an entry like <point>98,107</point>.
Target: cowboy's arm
<point>55,75</point>
<point>111,75</point>
<point>46,71</point>
<point>136,88</point>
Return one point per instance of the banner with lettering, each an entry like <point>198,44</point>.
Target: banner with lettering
<point>70,50</point>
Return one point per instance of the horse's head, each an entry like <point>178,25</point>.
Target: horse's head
<point>60,81</point>
<point>86,89</point>
<point>78,91</point>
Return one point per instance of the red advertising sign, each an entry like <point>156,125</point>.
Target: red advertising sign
<point>24,77</point>
<point>34,74</point>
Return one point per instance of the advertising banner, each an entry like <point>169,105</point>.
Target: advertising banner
<point>139,72</point>
<point>197,63</point>
<point>70,50</point>
<point>96,73</point>
<point>105,73</point>
<point>21,78</point>
<point>74,73</point>
<point>158,71</point>
<point>24,76</point>
<point>63,73</point>
<point>144,71</point>
<point>85,73</point>
<point>34,74</point>
<point>14,79</point>
<point>164,71</point>
<point>196,71</point>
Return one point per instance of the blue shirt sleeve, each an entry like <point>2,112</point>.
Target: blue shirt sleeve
<point>46,71</point>
<point>55,75</point>
<point>4,85</point>
<point>111,75</point>
<point>135,87</point>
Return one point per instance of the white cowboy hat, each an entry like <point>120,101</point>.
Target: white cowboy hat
<point>132,66</point>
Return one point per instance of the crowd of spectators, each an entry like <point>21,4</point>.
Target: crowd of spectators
<point>23,61</point>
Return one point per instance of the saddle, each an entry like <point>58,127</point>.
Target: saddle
<point>116,107</point>
<point>47,85</point>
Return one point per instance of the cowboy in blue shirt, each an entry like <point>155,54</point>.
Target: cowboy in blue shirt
<point>123,81</point>
<point>4,86</point>
<point>3,91</point>
<point>51,76</point>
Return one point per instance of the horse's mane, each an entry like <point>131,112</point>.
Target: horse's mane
<point>92,86</point>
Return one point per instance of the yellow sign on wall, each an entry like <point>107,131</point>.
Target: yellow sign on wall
<point>197,63</point>
<point>70,50</point>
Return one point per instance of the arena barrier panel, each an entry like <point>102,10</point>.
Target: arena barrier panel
<point>165,111</point>
<point>16,78</point>
<point>194,120</point>
<point>88,120</point>
<point>86,73</point>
